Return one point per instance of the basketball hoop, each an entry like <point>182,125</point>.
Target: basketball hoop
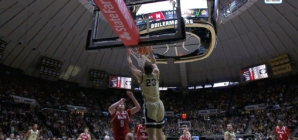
<point>140,54</point>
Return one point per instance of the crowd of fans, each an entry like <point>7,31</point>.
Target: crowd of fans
<point>218,124</point>
<point>263,121</point>
<point>269,94</point>
<point>55,120</point>
<point>68,123</point>
<point>17,118</point>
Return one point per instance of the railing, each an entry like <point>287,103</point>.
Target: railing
<point>232,7</point>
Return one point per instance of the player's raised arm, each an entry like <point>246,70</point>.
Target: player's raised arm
<point>153,62</point>
<point>27,134</point>
<point>226,136</point>
<point>137,106</point>
<point>37,137</point>
<point>80,137</point>
<point>136,72</point>
<point>89,137</point>
<point>189,135</point>
<point>289,133</point>
<point>112,108</point>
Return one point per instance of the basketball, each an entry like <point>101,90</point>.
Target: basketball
<point>144,50</point>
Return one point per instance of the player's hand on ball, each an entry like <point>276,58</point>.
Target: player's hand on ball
<point>129,94</point>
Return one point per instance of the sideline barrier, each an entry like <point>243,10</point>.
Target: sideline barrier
<point>208,112</point>
<point>79,108</point>
<point>255,107</point>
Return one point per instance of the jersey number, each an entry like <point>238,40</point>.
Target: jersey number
<point>150,82</point>
<point>121,123</point>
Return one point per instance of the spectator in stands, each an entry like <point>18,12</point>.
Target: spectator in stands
<point>106,137</point>
<point>11,137</point>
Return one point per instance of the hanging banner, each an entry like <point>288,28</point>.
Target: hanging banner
<point>282,59</point>
<point>282,69</point>
<point>2,48</point>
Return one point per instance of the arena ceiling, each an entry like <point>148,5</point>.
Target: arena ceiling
<point>58,29</point>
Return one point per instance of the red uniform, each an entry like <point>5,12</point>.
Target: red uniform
<point>140,130</point>
<point>120,123</point>
<point>185,137</point>
<point>282,133</point>
<point>84,136</point>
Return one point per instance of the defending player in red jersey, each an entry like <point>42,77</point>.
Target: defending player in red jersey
<point>140,131</point>
<point>185,135</point>
<point>85,135</point>
<point>282,132</point>
<point>121,117</point>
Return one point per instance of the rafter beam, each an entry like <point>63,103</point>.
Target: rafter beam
<point>183,75</point>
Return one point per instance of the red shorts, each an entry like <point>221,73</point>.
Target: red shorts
<point>121,137</point>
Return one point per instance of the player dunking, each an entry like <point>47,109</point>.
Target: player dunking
<point>121,117</point>
<point>185,135</point>
<point>230,134</point>
<point>153,106</point>
<point>282,132</point>
<point>85,135</point>
<point>140,131</point>
<point>32,134</point>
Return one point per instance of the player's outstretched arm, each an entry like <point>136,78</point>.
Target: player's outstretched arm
<point>137,106</point>
<point>27,134</point>
<point>289,134</point>
<point>89,137</point>
<point>79,137</point>
<point>112,108</point>
<point>188,133</point>
<point>226,136</point>
<point>153,62</point>
<point>136,72</point>
<point>37,137</point>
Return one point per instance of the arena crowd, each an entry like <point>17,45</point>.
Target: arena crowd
<point>56,121</point>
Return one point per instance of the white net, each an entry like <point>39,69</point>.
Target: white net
<point>141,59</point>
